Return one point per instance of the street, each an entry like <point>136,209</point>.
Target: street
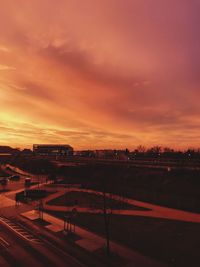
<point>20,248</point>
<point>23,241</point>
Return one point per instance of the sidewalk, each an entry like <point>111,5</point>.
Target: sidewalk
<point>153,210</point>
<point>92,242</point>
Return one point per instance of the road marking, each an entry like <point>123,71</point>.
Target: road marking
<point>4,241</point>
<point>20,231</point>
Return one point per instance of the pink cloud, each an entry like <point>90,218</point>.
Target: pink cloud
<point>128,70</point>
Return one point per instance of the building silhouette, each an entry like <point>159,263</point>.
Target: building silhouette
<point>53,150</point>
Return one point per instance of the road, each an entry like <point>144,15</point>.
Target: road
<point>23,245</point>
<point>19,247</point>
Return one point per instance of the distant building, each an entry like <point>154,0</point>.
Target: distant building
<point>52,150</point>
<point>85,153</point>
<point>26,152</point>
<point>7,150</point>
<point>112,154</point>
<point>105,154</point>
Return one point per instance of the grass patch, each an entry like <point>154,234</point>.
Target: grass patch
<point>174,242</point>
<point>41,222</point>
<point>85,199</point>
<point>113,259</point>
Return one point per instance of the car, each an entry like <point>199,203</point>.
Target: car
<point>15,178</point>
<point>4,180</point>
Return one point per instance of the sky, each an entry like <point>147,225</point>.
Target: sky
<point>100,73</point>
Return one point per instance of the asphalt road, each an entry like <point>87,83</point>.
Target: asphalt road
<point>19,248</point>
<point>31,251</point>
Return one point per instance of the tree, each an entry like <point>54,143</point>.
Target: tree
<point>106,218</point>
<point>41,209</point>
<point>141,149</point>
<point>155,150</point>
<point>103,174</point>
<point>168,150</point>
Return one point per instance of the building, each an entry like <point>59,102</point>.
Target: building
<point>7,150</point>
<point>52,150</point>
<point>85,153</point>
<point>112,154</point>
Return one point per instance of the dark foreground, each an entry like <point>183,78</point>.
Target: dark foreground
<point>16,251</point>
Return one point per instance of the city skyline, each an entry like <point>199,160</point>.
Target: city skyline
<point>100,74</point>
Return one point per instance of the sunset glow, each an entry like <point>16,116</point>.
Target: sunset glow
<point>100,74</point>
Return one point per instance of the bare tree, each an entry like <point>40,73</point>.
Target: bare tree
<point>106,215</point>
<point>104,174</point>
<point>155,150</point>
<point>41,209</point>
<point>141,149</point>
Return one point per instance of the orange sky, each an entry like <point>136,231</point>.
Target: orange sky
<point>100,74</point>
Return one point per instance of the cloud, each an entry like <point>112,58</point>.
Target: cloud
<point>4,49</point>
<point>5,67</point>
<point>105,74</point>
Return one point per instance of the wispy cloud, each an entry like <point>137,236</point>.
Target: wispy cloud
<point>5,67</point>
<point>100,74</point>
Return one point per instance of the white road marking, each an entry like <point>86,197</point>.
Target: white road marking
<point>4,242</point>
<point>19,231</point>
